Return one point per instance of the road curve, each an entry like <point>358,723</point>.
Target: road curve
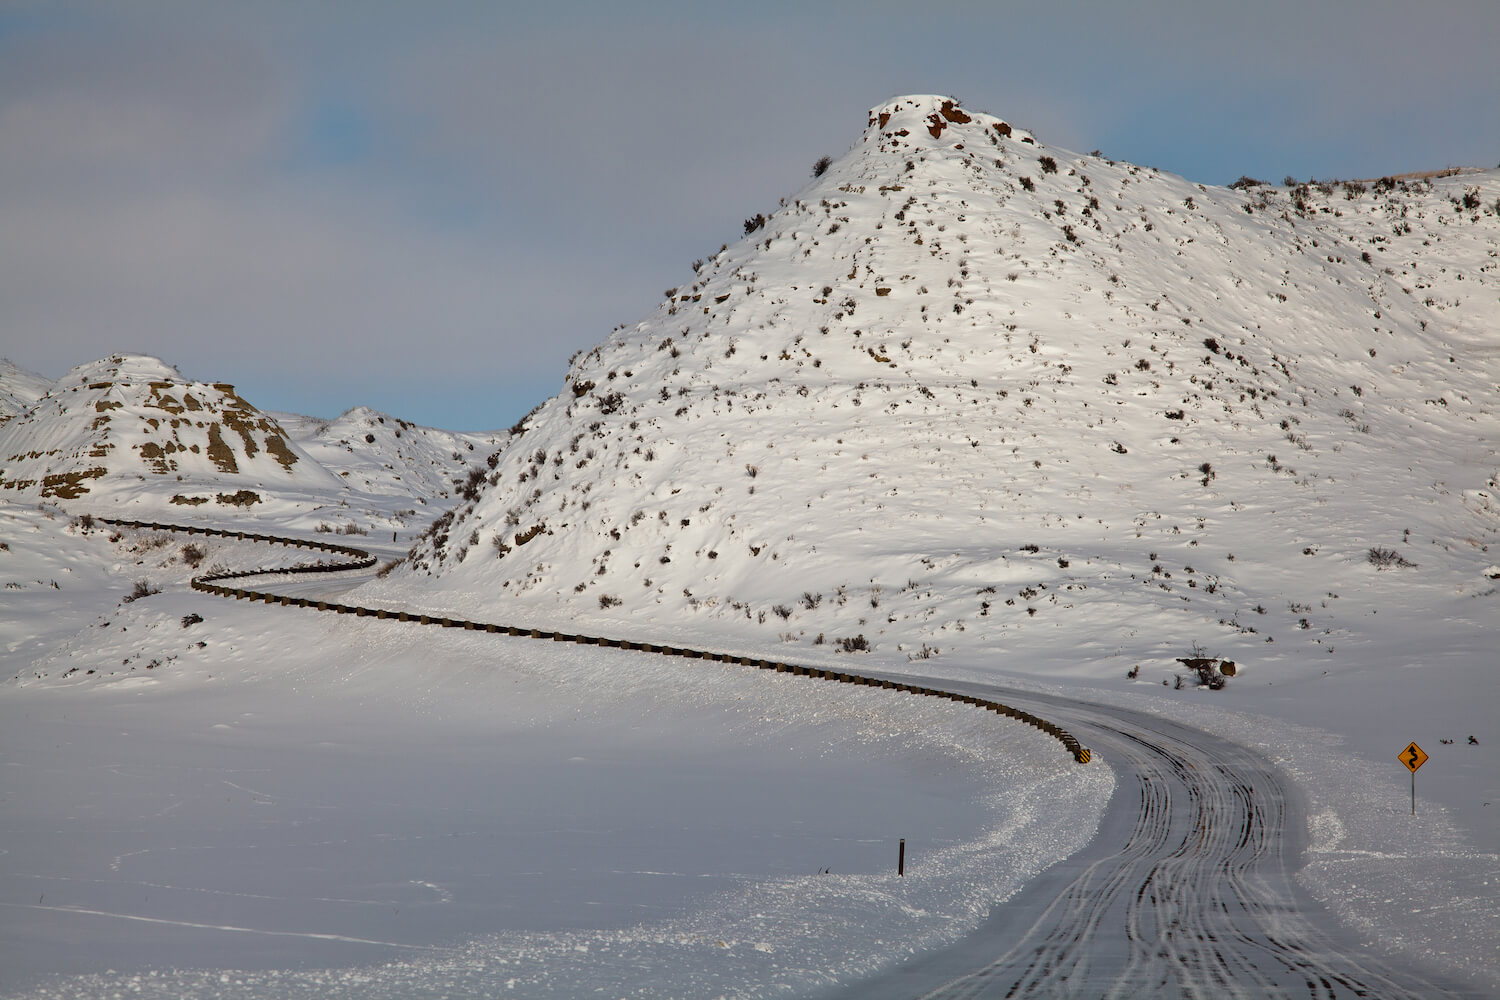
<point>1186,891</point>
<point>352,559</point>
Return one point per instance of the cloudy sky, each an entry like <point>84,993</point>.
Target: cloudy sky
<point>428,207</point>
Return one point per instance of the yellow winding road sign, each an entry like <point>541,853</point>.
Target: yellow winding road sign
<point>1413,757</point>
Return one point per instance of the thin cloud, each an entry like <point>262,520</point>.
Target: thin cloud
<point>415,194</point>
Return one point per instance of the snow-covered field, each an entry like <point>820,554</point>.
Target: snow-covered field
<point>312,803</point>
<point>420,812</point>
<point>967,408</point>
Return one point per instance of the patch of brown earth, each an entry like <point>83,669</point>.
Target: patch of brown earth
<point>155,458</point>
<point>241,498</point>
<point>955,114</point>
<point>219,452</point>
<point>277,449</point>
<point>69,485</point>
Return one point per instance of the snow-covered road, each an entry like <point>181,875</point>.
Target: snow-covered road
<point>1187,890</point>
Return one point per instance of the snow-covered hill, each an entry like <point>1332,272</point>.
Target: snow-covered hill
<point>965,390</point>
<point>19,389</point>
<point>129,433</point>
<point>126,419</point>
<point>378,454</point>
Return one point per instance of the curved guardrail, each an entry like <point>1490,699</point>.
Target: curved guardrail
<point>360,559</point>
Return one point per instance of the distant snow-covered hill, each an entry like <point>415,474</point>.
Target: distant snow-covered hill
<point>967,390</point>
<point>126,420</point>
<point>19,389</point>
<point>129,433</point>
<point>376,453</point>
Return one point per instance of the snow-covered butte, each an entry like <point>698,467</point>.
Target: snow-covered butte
<point>968,393</point>
<point>128,433</point>
<point>128,417</point>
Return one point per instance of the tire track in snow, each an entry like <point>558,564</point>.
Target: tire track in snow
<point>1198,901</point>
<point>135,918</point>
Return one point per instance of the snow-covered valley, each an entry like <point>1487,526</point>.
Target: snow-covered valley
<point>966,408</point>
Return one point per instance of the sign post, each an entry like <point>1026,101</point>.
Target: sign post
<point>1413,757</point>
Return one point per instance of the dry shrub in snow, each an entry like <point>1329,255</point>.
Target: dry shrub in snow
<point>1388,559</point>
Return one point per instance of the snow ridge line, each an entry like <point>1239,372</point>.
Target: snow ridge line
<point>360,559</point>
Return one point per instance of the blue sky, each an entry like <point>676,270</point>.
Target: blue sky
<point>427,208</point>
